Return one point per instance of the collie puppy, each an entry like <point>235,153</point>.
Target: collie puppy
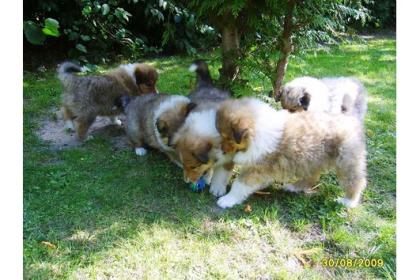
<point>197,142</point>
<point>331,95</point>
<point>198,145</point>
<point>153,119</point>
<point>85,97</point>
<point>277,145</point>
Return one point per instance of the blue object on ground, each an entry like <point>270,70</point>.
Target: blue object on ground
<point>199,185</point>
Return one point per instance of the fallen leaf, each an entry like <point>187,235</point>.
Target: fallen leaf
<point>48,244</point>
<point>302,260</point>
<point>304,256</point>
<point>247,208</point>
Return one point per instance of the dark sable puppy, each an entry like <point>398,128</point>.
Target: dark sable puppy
<point>205,92</point>
<point>85,97</point>
<point>153,119</point>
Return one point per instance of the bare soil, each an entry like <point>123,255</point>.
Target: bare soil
<point>53,131</point>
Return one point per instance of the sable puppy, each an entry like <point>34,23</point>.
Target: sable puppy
<point>152,120</point>
<point>197,142</point>
<point>276,145</point>
<point>85,97</point>
<point>331,95</point>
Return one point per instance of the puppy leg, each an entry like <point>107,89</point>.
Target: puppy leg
<point>304,185</point>
<point>352,176</point>
<point>115,120</point>
<point>82,125</point>
<point>249,182</point>
<point>174,159</point>
<point>353,190</point>
<point>220,180</point>
<point>136,141</point>
<point>140,151</point>
<point>68,118</point>
<point>208,176</point>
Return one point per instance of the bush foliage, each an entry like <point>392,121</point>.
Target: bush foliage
<point>93,29</point>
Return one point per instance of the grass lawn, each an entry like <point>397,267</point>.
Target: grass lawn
<point>109,214</point>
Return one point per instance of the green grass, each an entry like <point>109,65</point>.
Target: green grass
<point>111,214</point>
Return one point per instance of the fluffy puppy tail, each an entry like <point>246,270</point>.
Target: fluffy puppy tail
<point>66,69</point>
<point>201,68</point>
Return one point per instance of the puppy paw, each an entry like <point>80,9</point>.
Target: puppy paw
<point>69,126</point>
<point>207,177</point>
<point>141,151</point>
<point>227,201</point>
<point>116,121</point>
<point>349,203</point>
<point>217,190</point>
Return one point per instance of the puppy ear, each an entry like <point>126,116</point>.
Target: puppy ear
<point>203,156</point>
<point>162,126</point>
<point>305,100</point>
<point>239,134</point>
<point>141,76</point>
<point>190,107</point>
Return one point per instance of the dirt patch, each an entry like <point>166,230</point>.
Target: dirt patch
<point>53,131</point>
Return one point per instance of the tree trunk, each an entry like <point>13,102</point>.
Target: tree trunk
<point>230,52</point>
<point>286,47</point>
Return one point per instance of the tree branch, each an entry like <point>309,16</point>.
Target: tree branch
<point>286,47</point>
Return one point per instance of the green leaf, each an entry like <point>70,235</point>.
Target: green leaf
<point>97,7</point>
<point>33,33</point>
<point>85,37</point>
<point>87,10</point>
<point>120,34</point>
<point>49,32</point>
<point>122,14</point>
<point>52,23</point>
<point>81,48</point>
<point>73,36</point>
<point>51,27</point>
<point>105,9</point>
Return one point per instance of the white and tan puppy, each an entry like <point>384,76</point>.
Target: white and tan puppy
<point>197,144</point>
<point>331,95</point>
<point>277,145</point>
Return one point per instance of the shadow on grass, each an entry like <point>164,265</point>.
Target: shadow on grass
<point>91,199</point>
